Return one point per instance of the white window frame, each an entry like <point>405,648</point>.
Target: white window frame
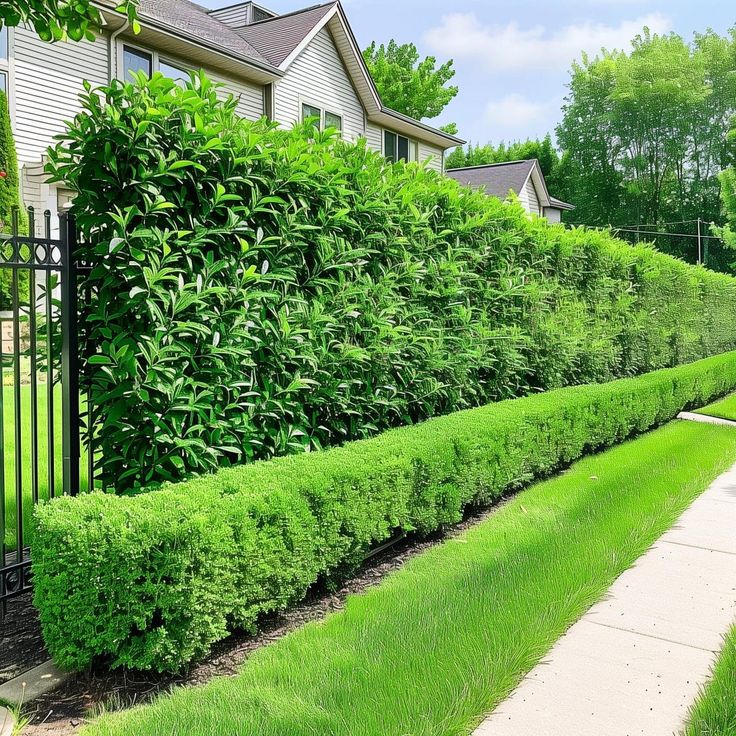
<point>413,145</point>
<point>156,60</point>
<point>323,110</point>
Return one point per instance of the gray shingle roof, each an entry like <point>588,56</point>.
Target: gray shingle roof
<point>497,179</point>
<point>193,21</point>
<point>275,38</point>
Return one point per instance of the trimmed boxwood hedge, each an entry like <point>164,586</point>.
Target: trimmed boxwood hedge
<point>151,581</point>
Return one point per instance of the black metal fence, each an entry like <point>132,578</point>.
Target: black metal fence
<point>40,421</point>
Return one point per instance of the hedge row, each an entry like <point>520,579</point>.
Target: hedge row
<point>151,581</point>
<point>257,292</point>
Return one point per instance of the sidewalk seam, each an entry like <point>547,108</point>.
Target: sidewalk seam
<point>590,620</point>
<point>662,540</point>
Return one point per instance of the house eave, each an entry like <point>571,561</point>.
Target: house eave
<point>415,128</point>
<point>175,41</point>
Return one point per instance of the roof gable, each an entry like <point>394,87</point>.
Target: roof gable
<point>195,22</point>
<point>277,39</point>
<point>496,179</point>
<point>269,46</point>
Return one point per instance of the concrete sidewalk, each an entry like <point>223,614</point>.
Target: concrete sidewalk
<point>633,664</point>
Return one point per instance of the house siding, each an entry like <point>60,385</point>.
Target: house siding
<point>374,136</point>
<point>249,96</point>
<point>47,82</point>
<point>318,76</point>
<point>236,17</point>
<point>434,154</point>
<point>529,199</point>
<point>553,214</point>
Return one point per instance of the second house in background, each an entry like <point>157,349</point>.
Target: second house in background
<point>292,67</point>
<point>524,178</point>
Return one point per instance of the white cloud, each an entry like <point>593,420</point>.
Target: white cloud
<point>517,117</point>
<point>505,48</point>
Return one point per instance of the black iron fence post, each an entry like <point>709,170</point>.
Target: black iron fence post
<point>51,265</point>
<point>69,357</point>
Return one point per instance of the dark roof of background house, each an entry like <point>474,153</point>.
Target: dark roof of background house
<point>497,179</point>
<point>275,38</point>
<point>194,21</point>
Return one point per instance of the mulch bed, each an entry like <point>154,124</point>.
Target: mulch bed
<point>21,645</point>
<point>84,695</point>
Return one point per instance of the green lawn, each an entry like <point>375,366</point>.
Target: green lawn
<point>439,643</point>
<point>43,457</point>
<point>725,408</point>
<point>714,713</point>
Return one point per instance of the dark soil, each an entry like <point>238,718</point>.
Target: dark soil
<point>84,695</point>
<point>21,645</point>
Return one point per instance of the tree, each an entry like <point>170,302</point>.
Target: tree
<point>55,19</point>
<point>543,150</point>
<point>408,85</point>
<point>9,195</point>
<point>728,195</point>
<point>643,134</point>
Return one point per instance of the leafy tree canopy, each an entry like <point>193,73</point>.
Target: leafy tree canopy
<point>406,84</point>
<point>57,19</point>
<point>477,155</point>
<point>543,150</point>
<point>644,134</point>
<point>728,195</point>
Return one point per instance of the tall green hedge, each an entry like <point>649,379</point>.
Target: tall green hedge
<point>259,292</point>
<point>9,200</point>
<point>151,581</point>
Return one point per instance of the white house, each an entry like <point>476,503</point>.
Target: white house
<point>524,178</point>
<point>285,67</point>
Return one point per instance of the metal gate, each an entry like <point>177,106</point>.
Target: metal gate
<point>39,387</point>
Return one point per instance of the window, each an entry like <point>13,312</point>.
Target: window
<point>309,111</point>
<point>138,60</point>
<point>179,75</point>
<point>325,118</point>
<point>333,120</point>
<point>135,60</point>
<point>397,147</point>
<point>4,44</point>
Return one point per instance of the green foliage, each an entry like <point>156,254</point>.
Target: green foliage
<point>9,200</point>
<point>477,155</point>
<point>643,135</point>
<point>472,615</point>
<point>258,292</point>
<point>151,581</point>
<point>728,196</point>
<point>714,712</point>
<point>54,20</point>
<point>408,85</point>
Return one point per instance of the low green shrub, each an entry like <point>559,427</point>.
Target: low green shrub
<point>257,291</point>
<point>151,581</point>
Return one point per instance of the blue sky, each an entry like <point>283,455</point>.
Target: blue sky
<point>512,57</point>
